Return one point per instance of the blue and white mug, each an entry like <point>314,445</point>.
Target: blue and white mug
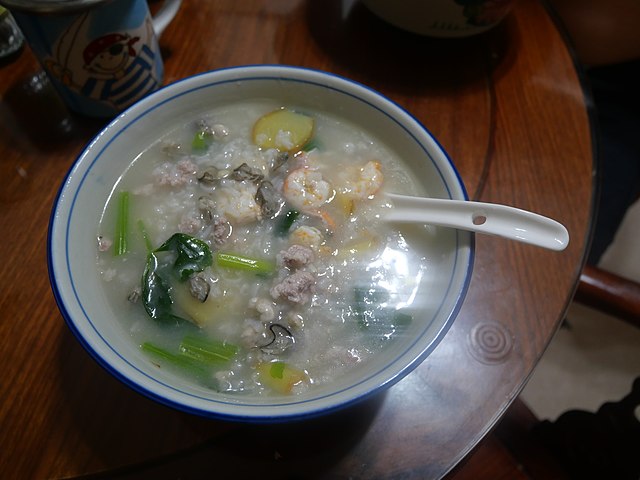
<point>101,55</point>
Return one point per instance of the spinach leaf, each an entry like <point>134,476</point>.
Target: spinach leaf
<point>156,295</point>
<point>193,255</point>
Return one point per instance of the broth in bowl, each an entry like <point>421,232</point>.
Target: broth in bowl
<point>244,250</point>
<point>219,246</point>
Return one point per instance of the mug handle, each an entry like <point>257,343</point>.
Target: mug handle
<point>164,15</point>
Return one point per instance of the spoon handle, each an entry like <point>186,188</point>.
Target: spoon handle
<point>490,218</point>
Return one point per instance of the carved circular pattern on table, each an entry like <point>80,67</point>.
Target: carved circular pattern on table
<point>490,343</point>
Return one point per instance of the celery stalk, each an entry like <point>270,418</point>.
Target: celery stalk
<point>122,221</point>
<point>145,236</point>
<point>205,350</point>
<point>181,361</point>
<point>241,262</point>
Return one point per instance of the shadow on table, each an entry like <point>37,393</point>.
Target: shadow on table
<point>135,437</point>
<point>385,56</point>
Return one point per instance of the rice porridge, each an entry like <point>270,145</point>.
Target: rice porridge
<point>246,251</point>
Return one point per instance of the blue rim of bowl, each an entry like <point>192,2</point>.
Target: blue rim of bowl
<point>259,418</point>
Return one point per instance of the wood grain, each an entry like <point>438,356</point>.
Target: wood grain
<point>507,106</point>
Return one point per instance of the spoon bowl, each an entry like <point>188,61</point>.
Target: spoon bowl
<point>489,218</point>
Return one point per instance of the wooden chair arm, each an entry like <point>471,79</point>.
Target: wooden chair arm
<point>609,293</point>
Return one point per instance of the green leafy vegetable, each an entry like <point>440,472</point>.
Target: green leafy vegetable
<point>193,255</point>
<point>180,361</point>
<point>145,236</point>
<point>284,225</point>
<point>206,350</point>
<point>374,314</point>
<point>311,145</point>
<point>201,141</point>
<point>242,262</point>
<point>122,222</point>
<point>402,319</point>
<point>370,296</point>
<point>196,355</point>
<point>368,304</point>
<point>156,296</point>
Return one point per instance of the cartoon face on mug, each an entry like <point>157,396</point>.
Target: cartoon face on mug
<point>102,56</point>
<point>113,68</point>
<point>108,56</point>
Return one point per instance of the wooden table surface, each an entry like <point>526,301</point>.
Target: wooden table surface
<point>508,107</point>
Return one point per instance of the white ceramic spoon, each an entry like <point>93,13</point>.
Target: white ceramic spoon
<point>490,218</point>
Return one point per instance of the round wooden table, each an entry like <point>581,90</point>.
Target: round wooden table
<point>508,107</point>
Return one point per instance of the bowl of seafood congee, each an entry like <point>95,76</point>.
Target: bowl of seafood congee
<point>221,246</point>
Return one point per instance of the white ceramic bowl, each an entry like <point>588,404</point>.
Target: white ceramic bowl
<point>74,224</point>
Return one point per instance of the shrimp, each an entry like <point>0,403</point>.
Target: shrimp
<point>308,236</point>
<point>366,183</point>
<point>307,190</point>
<point>236,201</point>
